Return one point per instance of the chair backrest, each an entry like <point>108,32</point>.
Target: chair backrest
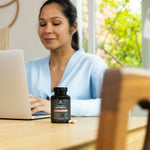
<point>122,89</point>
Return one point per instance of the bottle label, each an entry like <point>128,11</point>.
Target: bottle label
<point>61,109</point>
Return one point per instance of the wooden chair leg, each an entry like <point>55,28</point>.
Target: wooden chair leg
<point>146,105</point>
<point>147,136</point>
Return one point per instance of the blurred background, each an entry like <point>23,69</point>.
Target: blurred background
<point>118,30</point>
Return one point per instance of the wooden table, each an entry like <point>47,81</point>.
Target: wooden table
<point>136,133</point>
<point>43,135</point>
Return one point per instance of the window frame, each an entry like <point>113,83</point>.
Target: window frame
<point>91,26</point>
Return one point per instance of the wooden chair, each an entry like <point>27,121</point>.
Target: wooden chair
<point>122,89</point>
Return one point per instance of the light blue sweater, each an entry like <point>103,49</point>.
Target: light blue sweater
<point>83,76</point>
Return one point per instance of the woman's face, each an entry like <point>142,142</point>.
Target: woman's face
<point>54,30</point>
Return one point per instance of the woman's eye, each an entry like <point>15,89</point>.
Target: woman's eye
<point>56,24</point>
<point>42,25</point>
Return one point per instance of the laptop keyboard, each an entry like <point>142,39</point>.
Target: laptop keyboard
<point>39,114</point>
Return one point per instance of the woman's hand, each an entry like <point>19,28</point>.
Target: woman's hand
<point>39,104</point>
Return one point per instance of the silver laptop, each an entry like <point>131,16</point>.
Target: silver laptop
<point>14,96</point>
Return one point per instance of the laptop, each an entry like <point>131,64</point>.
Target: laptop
<point>14,96</point>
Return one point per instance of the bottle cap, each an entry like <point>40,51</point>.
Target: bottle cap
<point>60,90</point>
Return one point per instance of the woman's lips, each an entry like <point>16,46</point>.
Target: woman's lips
<point>49,39</point>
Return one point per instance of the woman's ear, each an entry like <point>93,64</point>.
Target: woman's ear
<point>74,28</point>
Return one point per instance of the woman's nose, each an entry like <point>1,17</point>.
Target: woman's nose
<point>48,28</point>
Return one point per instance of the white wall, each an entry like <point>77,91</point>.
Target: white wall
<point>24,33</point>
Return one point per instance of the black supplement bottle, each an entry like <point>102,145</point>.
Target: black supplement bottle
<point>60,105</point>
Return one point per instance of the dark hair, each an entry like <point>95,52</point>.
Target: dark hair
<point>69,11</point>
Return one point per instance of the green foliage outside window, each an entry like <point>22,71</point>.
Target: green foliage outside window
<point>120,34</point>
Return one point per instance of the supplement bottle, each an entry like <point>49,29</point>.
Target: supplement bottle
<point>60,106</point>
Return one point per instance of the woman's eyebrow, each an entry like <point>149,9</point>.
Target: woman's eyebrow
<point>51,18</point>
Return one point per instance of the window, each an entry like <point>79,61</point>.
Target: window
<point>112,29</point>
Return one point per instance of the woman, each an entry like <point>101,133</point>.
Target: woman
<point>66,66</point>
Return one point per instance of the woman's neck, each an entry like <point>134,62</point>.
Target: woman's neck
<point>60,58</point>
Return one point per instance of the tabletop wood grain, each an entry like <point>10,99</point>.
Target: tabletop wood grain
<point>41,134</point>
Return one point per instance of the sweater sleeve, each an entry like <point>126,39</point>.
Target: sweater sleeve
<point>91,107</point>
